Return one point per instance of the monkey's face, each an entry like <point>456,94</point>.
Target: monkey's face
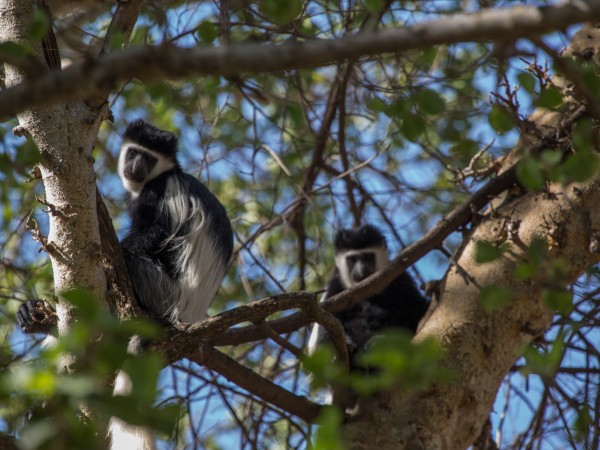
<point>361,265</point>
<point>354,265</point>
<point>138,165</point>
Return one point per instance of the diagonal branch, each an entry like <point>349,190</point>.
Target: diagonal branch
<point>159,62</point>
<point>255,384</point>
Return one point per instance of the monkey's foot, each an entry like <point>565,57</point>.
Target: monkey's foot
<point>37,316</point>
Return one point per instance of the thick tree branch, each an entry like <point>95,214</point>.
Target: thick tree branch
<point>186,338</point>
<point>150,63</point>
<point>481,345</point>
<point>64,133</point>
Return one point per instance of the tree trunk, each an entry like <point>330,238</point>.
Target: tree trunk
<point>64,134</point>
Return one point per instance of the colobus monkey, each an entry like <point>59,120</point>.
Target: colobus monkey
<point>177,248</point>
<point>360,252</point>
<point>180,239</point>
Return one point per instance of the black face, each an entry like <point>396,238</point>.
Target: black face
<point>138,164</point>
<point>361,265</point>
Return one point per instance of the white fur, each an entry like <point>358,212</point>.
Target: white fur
<point>317,332</point>
<point>124,436</point>
<point>199,261</point>
<point>162,165</point>
<point>323,396</point>
<point>381,259</point>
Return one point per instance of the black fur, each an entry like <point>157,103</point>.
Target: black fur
<point>357,238</point>
<point>152,245</point>
<point>143,133</point>
<point>399,305</point>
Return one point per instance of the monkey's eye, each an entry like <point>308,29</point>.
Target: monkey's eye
<point>369,257</point>
<point>149,159</point>
<point>131,153</point>
<point>352,259</point>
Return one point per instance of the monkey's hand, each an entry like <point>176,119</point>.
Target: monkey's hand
<point>37,316</point>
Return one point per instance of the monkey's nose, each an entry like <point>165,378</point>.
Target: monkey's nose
<point>360,272</point>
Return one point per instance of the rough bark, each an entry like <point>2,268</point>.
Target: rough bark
<point>64,133</point>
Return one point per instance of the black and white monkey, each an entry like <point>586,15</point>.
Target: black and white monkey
<point>180,239</point>
<point>177,248</point>
<point>360,252</point>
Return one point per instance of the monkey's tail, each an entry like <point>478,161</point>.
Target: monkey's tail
<point>123,435</point>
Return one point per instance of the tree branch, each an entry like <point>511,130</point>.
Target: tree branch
<point>255,384</point>
<point>150,63</point>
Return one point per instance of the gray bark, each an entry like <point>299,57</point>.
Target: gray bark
<point>64,133</point>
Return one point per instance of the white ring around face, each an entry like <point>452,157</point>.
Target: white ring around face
<point>163,164</point>
<point>381,259</point>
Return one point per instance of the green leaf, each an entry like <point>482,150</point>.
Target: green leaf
<point>501,119</point>
<point>537,252</point>
<point>543,363</point>
<point>528,81</point>
<point>413,127</point>
<point>374,5</point>
<point>494,297</point>
<point>525,271</point>
<point>40,24</point>
<point>35,435</point>
<point>551,157</point>
<point>590,75</point>
<point>398,108</point>
<point>530,174</point>
<point>374,103</point>
<point>583,135</point>
<point>143,370</point>
<point>324,368</point>
<point>393,358</point>
<point>14,50</point>
<point>580,166</point>
<point>583,422</point>
<point>559,300</point>
<point>430,102</point>
<point>207,32</point>
<point>328,435</point>
<point>550,98</point>
<point>486,252</point>
<point>281,12</point>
